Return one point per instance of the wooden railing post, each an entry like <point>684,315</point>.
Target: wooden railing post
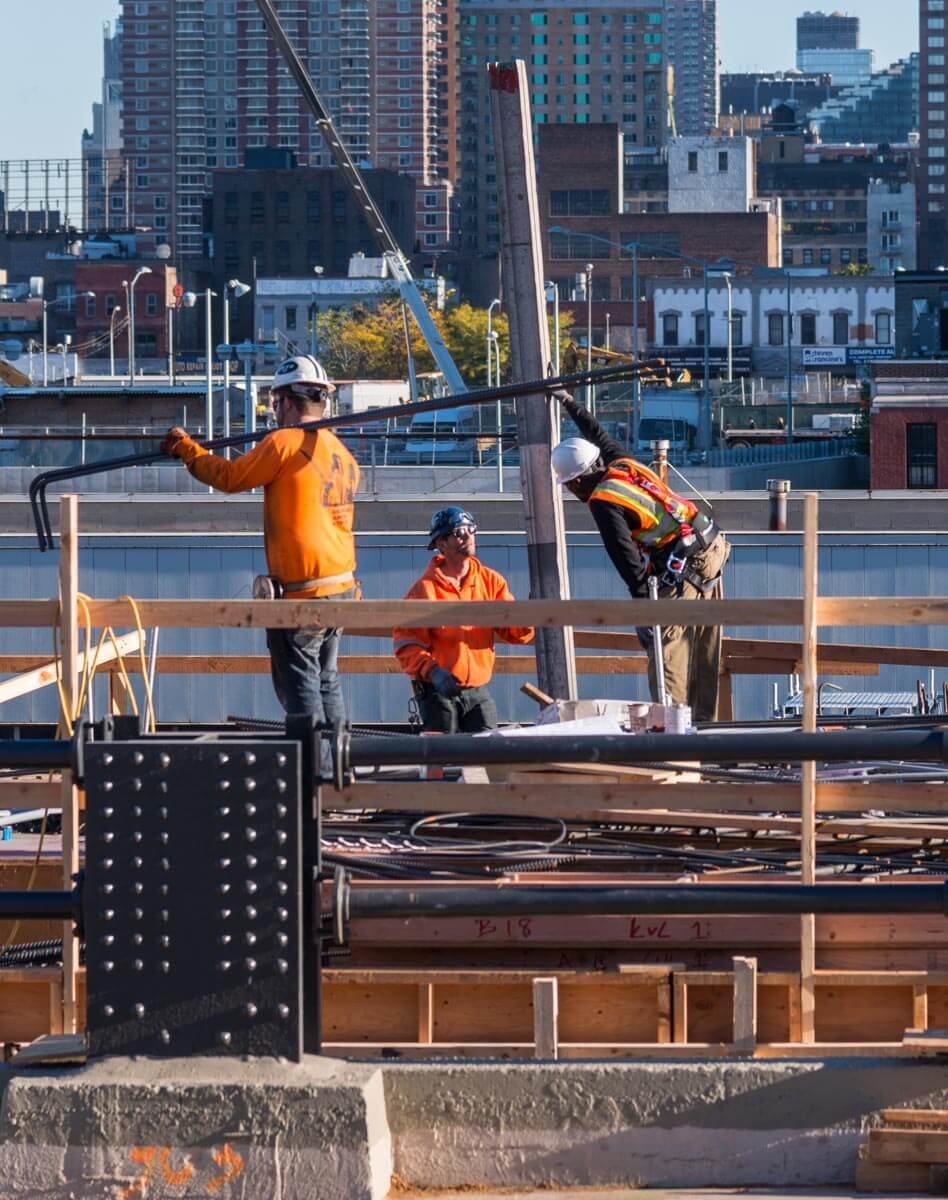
<point>808,769</point>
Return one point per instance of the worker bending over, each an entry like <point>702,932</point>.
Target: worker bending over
<point>451,665</point>
<point>309,482</point>
<point>648,530</point>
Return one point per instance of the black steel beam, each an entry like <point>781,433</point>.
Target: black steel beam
<point>910,745</point>
<point>38,906</point>
<point>506,900</point>
<point>35,752</point>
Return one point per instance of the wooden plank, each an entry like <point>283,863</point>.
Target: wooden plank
<point>808,769</point>
<point>47,674</point>
<point>920,1005</point>
<point>857,1014</point>
<point>926,1118</point>
<point>28,614</point>
<point>908,1146</point>
<point>426,1013</point>
<point>881,610</point>
<point>608,801</point>
<point>373,615</point>
<point>745,1005</point>
<point>665,1009</point>
<point>889,1179</point>
<point>22,793</point>
<point>69,803</point>
<point>600,1050</point>
<point>545,1017</point>
<point>680,1008</point>
<point>725,694</point>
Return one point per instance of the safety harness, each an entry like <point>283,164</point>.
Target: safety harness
<point>667,521</point>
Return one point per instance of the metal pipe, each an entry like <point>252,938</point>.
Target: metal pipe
<point>35,752</point>
<point>912,745</point>
<point>37,489</point>
<point>779,491</point>
<point>770,899</point>
<point>37,906</point>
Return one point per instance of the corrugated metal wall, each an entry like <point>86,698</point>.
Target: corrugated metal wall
<point>172,566</point>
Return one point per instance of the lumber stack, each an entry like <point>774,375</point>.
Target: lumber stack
<point>908,1154</point>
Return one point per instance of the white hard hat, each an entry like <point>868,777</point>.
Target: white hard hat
<point>305,369</point>
<point>573,457</point>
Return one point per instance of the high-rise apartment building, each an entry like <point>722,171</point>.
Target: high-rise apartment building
<point>203,83</point>
<point>691,43</point>
<point>827,31</point>
<point>933,251</point>
<point>105,197</point>
<point>605,61</point>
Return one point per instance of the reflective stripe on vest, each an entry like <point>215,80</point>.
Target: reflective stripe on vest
<point>660,512</point>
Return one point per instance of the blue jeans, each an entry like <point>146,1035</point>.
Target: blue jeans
<point>471,712</point>
<point>304,664</point>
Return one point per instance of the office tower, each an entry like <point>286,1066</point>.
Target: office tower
<point>584,66</point>
<point>691,43</point>
<point>829,43</point>
<point>884,109</point>
<point>932,251</point>
<point>105,199</point>
<point>827,31</point>
<point>204,83</point>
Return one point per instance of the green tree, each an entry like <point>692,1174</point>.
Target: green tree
<point>855,269</point>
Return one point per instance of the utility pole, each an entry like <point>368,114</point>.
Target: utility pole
<point>522,266</point>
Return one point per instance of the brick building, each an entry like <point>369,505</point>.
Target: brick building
<point>581,190</point>
<point>281,224</point>
<point>909,425</point>
<point>153,295</point>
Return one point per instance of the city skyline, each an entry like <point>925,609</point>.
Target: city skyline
<point>45,121</point>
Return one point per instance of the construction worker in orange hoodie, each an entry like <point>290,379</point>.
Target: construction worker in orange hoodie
<point>309,482</point>
<point>451,665</point>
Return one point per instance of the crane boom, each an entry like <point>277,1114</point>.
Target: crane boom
<point>397,263</point>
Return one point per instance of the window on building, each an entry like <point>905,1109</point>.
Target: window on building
<point>808,329</point>
<point>840,329</point>
<point>826,255</point>
<point>699,329</point>
<point>670,329</point>
<point>90,306</point>
<point>151,304</point>
<point>921,454</point>
<point>807,257</point>
<point>737,329</point>
<point>846,255</point>
<point>110,303</point>
<point>693,161</point>
<point>775,329</point>
<point>290,317</point>
<point>722,160</point>
<point>787,256</point>
<point>883,329</point>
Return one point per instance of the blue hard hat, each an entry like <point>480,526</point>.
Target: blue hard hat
<point>446,519</point>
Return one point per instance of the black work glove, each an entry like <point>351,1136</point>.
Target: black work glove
<point>444,683</point>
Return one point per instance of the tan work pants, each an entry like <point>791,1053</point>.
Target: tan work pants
<point>692,654</point>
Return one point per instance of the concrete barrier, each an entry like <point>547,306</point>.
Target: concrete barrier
<point>239,1130</point>
<point>658,1124</point>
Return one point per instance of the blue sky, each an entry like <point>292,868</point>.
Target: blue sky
<point>52,62</point>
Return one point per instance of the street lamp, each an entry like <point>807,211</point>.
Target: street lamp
<point>726,276</point>
<point>116,309</point>
<point>48,304</point>
<point>131,322</point>
<point>490,333</point>
<point>189,300</point>
<point>608,319</point>
<point>239,289</point>
<point>553,293</point>
<point>590,391</point>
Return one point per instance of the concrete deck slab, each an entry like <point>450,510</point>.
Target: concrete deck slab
<point>241,1130</point>
<point>655,1194</point>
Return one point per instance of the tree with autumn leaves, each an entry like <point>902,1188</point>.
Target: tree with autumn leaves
<point>364,343</point>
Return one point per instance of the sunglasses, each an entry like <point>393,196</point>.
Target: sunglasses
<point>462,531</point>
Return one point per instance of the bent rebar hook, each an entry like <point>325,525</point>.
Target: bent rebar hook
<point>38,486</point>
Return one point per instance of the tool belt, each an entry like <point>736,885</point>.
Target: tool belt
<point>700,537</point>
<point>268,587</point>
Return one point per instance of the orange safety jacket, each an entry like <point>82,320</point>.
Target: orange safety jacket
<point>309,482</point>
<point>662,516</point>
<point>464,650</point>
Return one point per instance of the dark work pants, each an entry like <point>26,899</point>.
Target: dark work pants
<point>472,712</point>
